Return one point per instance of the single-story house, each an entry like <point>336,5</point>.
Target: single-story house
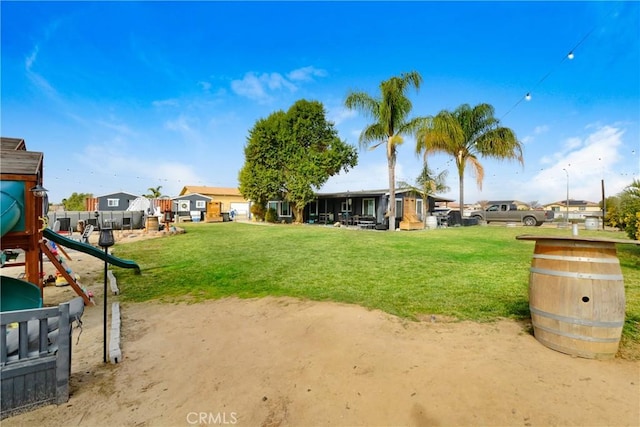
<point>346,206</point>
<point>229,198</point>
<point>578,209</point>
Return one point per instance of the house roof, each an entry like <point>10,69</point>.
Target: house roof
<point>573,202</point>
<point>184,196</point>
<point>371,193</point>
<point>215,191</point>
<point>117,192</point>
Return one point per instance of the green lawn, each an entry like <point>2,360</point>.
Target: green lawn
<point>468,273</point>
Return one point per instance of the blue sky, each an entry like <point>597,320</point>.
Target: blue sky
<point>124,96</point>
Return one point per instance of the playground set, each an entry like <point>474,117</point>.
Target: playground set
<point>23,225</point>
<point>35,341</point>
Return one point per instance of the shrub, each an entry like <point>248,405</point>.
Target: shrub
<point>258,211</point>
<point>271,216</point>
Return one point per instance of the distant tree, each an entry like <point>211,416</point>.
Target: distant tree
<point>629,218</point>
<point>427,184</point>
<point>535,205</point>
<point>389,113</point>
<point>612,211</point>
<point>76,202</point>
<point>290,155</point>
<point>154,193</point>
<point>466,134</point>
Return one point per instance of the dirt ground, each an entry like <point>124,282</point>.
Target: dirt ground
<point>284,361</point>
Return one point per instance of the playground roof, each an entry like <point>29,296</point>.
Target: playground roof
<point>12,143</point>
<point>15,160</point>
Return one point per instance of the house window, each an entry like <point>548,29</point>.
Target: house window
<point>281,208</point>
<point>419,208</point>
<point>582,208</point>
<point>200,204</point>
<point>285,209</point>
<point>346,207</point>
<point>313,208</point>
<point>113,203</point>
<point>369,207</point>
<point>398,207</point>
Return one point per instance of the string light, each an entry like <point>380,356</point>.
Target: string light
<point>568,56</point>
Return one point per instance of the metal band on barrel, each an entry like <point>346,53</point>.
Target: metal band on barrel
<point>575,275</point>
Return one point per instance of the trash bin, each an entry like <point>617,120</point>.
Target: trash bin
<point>225,216</point>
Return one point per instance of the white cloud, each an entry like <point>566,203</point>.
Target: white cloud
<point>584,164</point>
<point>541,129</point>
<point>181,124</point>
<point>31,59</point>
<point>306,74</point>
<point>36,78</point>
<point>372,176</point>
<point>262,87</point>
<point>340,114</point>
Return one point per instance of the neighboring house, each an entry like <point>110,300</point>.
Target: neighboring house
<point>333,207</point>
<point>193,205</point>
<point>229,198</point>
<point>578,209</point>
<point>114,201</point>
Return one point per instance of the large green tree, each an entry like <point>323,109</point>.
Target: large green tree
<point>290,155</point>
<point>76,202</point>
<point>468,134</point>
<point>390,114</point>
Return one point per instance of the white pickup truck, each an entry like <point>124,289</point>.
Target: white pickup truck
<point>505,212</point>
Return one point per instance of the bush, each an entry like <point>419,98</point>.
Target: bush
<point>258,211</point>
<point>271,216</point>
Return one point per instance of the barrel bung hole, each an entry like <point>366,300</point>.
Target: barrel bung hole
<point>585,299</point>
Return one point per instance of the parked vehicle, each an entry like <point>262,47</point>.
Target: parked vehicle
<point>505,212</point>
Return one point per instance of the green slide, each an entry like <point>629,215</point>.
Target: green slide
<point>16,294</point>
<point>88,249</point>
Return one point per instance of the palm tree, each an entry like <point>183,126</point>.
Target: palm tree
<point>389,113</point>
<point>154,193</point>
<point>426,185</point>
<point>467,134</point>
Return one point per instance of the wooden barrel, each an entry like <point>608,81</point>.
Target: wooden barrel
<point>576,297</point>
<point>152,223</point>
<point>591,223</point>
<point>432,222</point>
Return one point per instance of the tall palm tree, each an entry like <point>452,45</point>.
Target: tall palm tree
<point>390,113</point>
<point>468,133</point>
<point>427,184</point>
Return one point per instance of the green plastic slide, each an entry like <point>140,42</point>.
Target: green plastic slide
<point>88,249</point>
<point>16,294</point>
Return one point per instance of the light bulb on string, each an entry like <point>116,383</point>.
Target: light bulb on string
<point>527,97</point>
<point>570,55</point>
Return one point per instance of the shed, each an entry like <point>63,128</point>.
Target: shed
<point>115,201</point>
<point>193,205</point>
